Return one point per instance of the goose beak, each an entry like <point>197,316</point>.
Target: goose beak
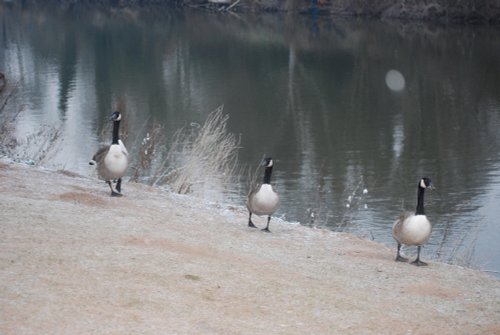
<point>431,187</point>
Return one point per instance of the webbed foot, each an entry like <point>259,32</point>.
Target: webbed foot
<point>400,258</point>
<point>418,262</point>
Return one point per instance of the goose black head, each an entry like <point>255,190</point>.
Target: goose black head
<point>426,183</point>
<point>116,116</point>
<point>267,162</point>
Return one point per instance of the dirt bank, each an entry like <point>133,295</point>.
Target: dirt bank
<point>75,261</point>
<point>463,11</point>
<point>442,11</point>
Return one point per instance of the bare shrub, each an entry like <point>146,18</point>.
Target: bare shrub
<point>202,159</point>
<point>462,252</point>
<point>32,148</point>
<point>253,176</point>
<point>7,92</point>
<point>150,152</point>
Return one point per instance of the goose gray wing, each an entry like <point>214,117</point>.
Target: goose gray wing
<point>251,195</point>
<point>99,155</point>
<point>398,225</point>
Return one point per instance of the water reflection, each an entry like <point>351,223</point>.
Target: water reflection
<point>317,100</point>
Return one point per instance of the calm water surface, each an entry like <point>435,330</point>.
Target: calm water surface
<point>353,112</point>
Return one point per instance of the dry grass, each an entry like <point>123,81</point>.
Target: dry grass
<point>254,175</point>
<point>32,148</point>
<point>149,159</point>
<point>7,138</point>
<point>202,160</point>
<point>462,252</point>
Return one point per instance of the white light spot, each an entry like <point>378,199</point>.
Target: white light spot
<point>365,191</point>
<point>395,80</point>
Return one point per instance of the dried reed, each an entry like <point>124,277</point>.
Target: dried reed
<point>202,159</point>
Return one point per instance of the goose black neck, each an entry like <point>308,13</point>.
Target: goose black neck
<point>267,175</point>
<point>420,202</point>
<point>116,128</point>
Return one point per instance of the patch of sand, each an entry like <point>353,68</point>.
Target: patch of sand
<point>73,260</point>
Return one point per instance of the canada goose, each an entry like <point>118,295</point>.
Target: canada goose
<point>263,200</point>
<point>414,229</point>
<point>112,160</point>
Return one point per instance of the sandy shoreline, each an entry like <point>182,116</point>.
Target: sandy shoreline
<point>75,261</point>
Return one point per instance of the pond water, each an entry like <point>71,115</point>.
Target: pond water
<point>353,112</point>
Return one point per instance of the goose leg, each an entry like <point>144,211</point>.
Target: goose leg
<point>250,223</point>
<point>400,258</point>
<point>119,185</point>
<point>113,193</point>
<point>267,226</point>
<point>418,262</point>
